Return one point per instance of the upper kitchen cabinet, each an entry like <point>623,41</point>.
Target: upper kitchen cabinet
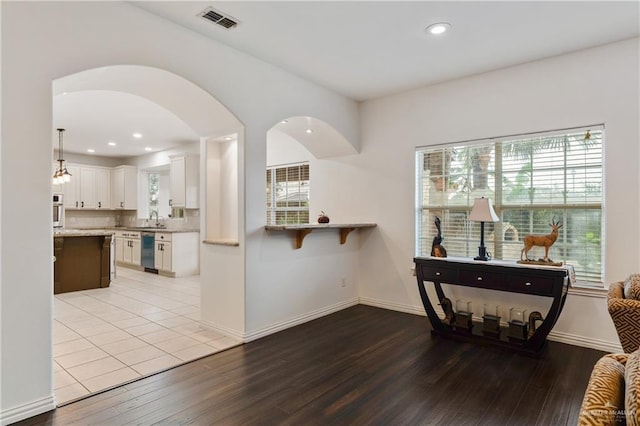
<point>124,187</point>
<point>184,176</point>
<point>71,190</point>
<point>89,188</point>
<point>103,188</point>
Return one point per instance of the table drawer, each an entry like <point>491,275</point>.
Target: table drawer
<point>491,280</point>
<point>438,274</point>
<point>530,284</point>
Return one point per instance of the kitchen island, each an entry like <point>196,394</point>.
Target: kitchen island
<point>82,260</point>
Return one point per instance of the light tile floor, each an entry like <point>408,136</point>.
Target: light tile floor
<point>141,324</point>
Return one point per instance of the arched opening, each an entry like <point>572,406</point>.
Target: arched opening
<point>141,324</point>
<point>296,148</point>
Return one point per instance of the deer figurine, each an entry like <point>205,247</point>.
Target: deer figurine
<point>545,241</point>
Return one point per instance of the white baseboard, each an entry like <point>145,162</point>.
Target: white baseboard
<point>392,306</point>
<point>556,336</point>
<point>585,342</point>
<point>221,329</point>
<point>25,411</point>
<point>274,328</point>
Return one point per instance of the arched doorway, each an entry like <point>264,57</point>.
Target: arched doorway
<point>118,331</point>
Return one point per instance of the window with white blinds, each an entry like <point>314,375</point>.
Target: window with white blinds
<point>532,180</point>
<point>288,194</point>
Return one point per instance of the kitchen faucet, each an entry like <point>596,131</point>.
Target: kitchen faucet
<point>157,219</point>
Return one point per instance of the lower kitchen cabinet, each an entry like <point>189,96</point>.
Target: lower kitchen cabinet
<point>128,248</point>
<point>177,254</point>
<point>163,256</point>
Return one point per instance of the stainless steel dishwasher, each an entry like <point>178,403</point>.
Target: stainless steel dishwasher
<point>147,255</point>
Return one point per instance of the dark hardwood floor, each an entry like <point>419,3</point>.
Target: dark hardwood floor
<point>362,365</point>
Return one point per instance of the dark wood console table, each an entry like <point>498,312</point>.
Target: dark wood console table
<point>494,275</point>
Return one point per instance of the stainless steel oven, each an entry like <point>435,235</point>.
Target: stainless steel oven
<point>58,211</point>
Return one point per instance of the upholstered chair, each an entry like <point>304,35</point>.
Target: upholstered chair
<point>623,301</point>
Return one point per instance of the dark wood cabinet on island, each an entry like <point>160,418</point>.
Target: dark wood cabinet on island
<point>82,261</point>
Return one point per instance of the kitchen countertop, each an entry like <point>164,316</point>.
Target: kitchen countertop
<point>111,230</point>
<point>143,229</point>
<point>82,232</point>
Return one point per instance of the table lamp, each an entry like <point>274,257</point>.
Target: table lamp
<point>482,211</point>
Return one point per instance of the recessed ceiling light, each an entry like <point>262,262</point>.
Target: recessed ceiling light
<point>137,135</point>
<point>228,138</point>
<point>309,131</point>
<point>111,143</point>
<point>64,93</point>
<point>148,148</point>
<point>284,121</point>
<point>91,150</point>
<point>438,28</point>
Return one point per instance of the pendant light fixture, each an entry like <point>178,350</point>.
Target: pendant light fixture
<point>61,175</point>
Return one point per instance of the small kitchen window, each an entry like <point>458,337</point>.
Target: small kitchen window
<point>153,193</point>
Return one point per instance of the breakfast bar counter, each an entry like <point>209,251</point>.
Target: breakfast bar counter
<point>82,260</point>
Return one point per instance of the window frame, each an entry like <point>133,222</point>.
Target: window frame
<point>272,208</point>
<point>422,222</point>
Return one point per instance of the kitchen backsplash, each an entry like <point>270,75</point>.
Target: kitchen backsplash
<point>110,218</point>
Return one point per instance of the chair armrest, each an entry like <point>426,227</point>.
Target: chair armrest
<point>603,400</point>
<point>616,291</point>
<point>618,305</point>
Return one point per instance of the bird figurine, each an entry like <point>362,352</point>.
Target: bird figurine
<point>437,250</point>
<point>533,317</point>
<point>447,307</point>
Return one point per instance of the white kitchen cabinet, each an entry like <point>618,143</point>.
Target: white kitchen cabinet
<point>162,255</point>
<point>124,185</point>
<point>103,188</point>
<point>89,188</point>
<point>71,189</point>
<point>87,183</point>
<point>128,248</point>
<point>131,252</point>
<point>184,177</point>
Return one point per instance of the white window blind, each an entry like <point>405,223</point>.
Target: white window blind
<point>288,194</point>
<point>532,180</point>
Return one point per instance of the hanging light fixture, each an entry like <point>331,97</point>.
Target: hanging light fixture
<point>61,175</point>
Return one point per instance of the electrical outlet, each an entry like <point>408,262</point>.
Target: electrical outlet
<point>343,282</point>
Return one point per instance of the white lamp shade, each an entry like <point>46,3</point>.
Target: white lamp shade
<point>482,211</point>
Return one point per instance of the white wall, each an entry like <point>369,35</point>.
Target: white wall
<point>36,51</point>
<point>282,149</point>
<point>593,86</point>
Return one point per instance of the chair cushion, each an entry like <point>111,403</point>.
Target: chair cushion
<point>603,401</point>
<point>632,287</point>
<point>632,393</point>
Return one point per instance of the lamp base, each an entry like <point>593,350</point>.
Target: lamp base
<point>482,254</point>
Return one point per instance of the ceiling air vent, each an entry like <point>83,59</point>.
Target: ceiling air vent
<point>219,18</point>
